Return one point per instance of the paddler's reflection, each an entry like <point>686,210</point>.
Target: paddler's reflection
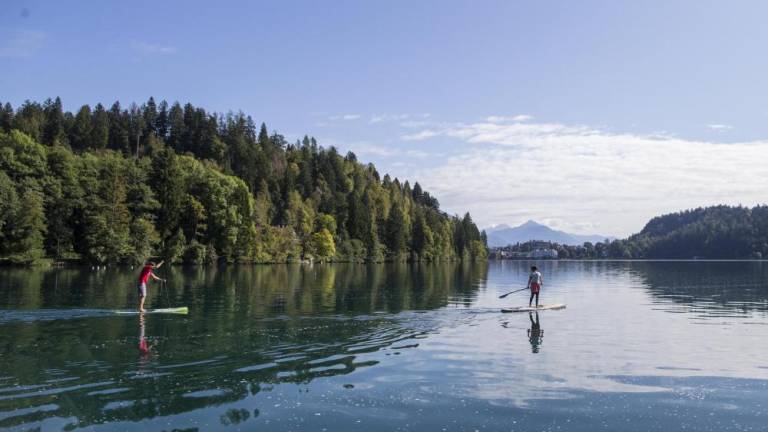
<point>143,345</point>
<point>535,333</point>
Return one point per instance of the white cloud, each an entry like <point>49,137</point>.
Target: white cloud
<point>368,149</point>
<point>381,118</point>
<point>412,124</point>
<point>586,176</point>
<point>149,48</point>
<point>504,119</point>
<point>417,154</point>
<point>421,135</point>
<point>25,43</point>
<point>720,127</point>
<point>373,149</point>
<point>344,117</point>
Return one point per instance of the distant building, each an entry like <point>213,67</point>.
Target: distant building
<point>538,253</point>
<point>544,254</point>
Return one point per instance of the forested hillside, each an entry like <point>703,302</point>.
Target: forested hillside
<point>711,232</point>
<point>719,232</point>
<point>119,185</point>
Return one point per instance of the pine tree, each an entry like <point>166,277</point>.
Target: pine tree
<point>6,117</point>
<point>9,207</point>
<point>423,239</point>
<point>119,134</point>
<point>177,127</point>
<point>136,127</point>
<point>99,137</point>
<point>53,131</point>
<point>81,132</point>
<point>395,230</point>
<point>161,125</point>
<point>30,119</point>
<point>149,112</point>
<point>28,229</point>
<point>417,193</point>
<point>167,183</point>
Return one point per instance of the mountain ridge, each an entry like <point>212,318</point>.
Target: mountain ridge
<point>503,235</point>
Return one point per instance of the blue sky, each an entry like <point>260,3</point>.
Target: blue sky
<point>590,116</point>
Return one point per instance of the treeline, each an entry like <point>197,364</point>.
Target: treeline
<point>719,232</point>
<point>588,250</point>
<point>119,185</point>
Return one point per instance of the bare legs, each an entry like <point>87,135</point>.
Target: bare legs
<point>531,299</point>
<point>141,302</point>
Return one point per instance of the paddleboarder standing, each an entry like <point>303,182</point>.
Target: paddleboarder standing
<point>535,281</point>
<point>146,273</point>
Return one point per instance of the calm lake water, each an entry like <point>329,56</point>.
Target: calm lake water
<point>642,346</point>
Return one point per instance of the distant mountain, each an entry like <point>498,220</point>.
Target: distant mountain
<point>497,228</point>
<point>503,235</point>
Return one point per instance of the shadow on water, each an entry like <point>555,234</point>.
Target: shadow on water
<point>249,330</point>
<point>710,288</point>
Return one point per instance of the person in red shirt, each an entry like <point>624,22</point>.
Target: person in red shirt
<point>146,273</point>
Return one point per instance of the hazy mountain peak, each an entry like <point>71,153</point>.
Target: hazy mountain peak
<point>531,223</point>
<point>503,235</point>
<point>498,227</point>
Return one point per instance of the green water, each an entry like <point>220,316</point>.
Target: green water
<point>641,346</point>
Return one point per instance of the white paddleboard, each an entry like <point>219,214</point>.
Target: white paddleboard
<point>535,309</point>
<point>177,310</point>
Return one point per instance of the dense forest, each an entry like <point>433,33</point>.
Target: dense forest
<point>116,185</point>
<point>712,232</point>
<point>719,232</point>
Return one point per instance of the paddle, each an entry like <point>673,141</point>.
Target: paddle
<point>512,292</point>
<point>164,284</point>
<point>164,287</point>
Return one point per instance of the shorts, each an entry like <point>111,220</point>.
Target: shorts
<point>142,289</point>
<point>535,288</point>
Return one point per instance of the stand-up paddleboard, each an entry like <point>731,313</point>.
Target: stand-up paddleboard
<point>177,310</point>
<point>535,309</point>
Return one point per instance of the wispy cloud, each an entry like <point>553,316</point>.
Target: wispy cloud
<point>373,149</point>
<point>420,135</point>
<point>143,47</point>
<point>24,43</point>
<point>503,119</point>
<point>387,151</point>
<point>413,124</point>
<point>345,117</point>
<point>587,176</point>
<point>380,118</point>
<point>720,127</point>
<point>367,149</point>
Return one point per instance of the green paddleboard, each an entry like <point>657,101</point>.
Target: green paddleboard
<point>177,310</point>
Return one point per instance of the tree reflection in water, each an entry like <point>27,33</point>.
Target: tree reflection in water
<point>249,328</point>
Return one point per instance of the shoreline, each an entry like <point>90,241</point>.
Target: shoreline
<point>62,265</point>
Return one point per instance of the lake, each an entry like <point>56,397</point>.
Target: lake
<point>641,346</point>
